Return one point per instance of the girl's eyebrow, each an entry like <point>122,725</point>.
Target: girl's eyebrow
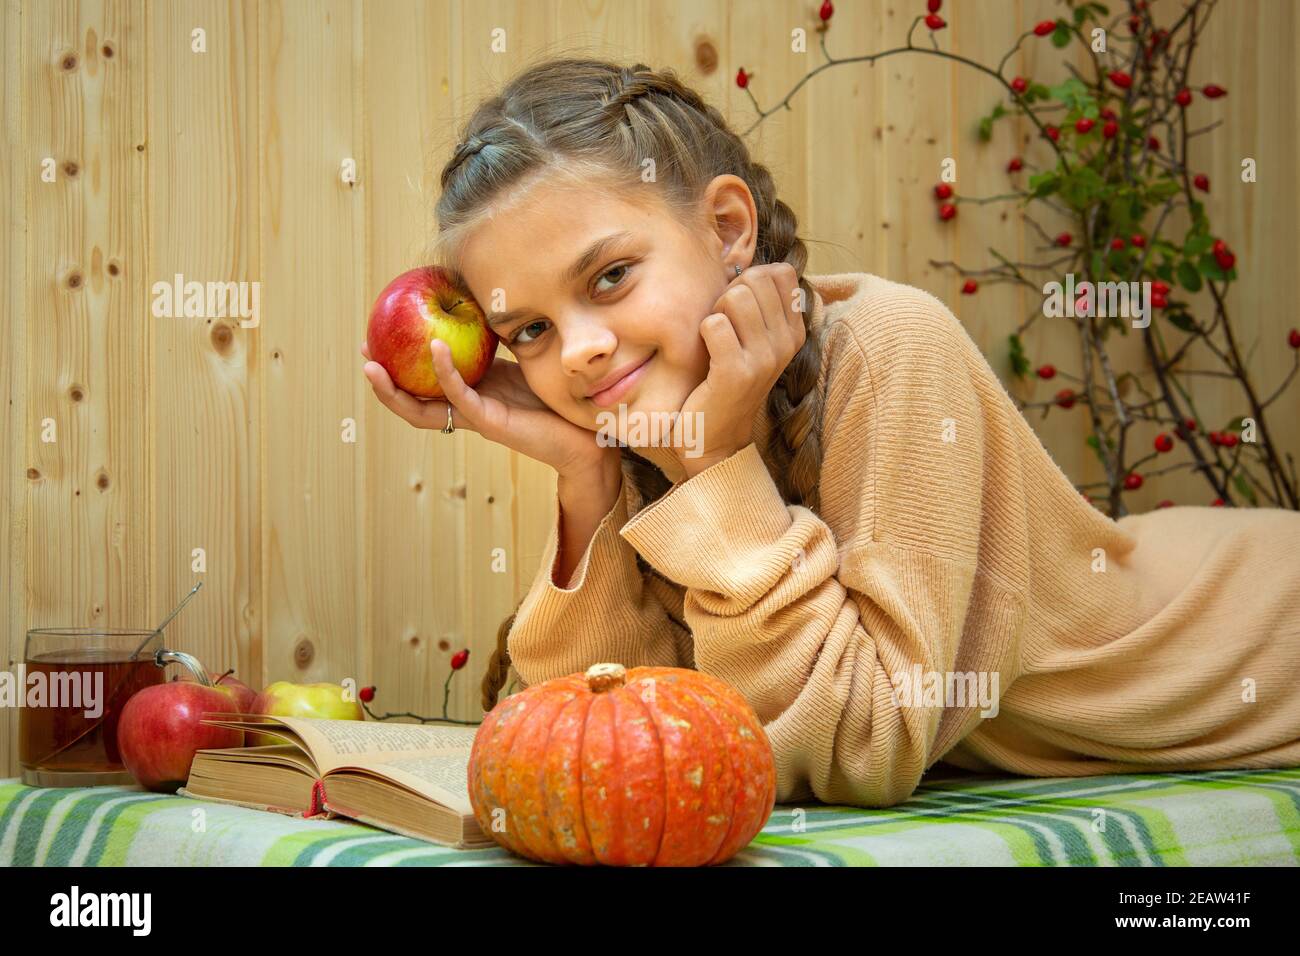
<point>581,265</point>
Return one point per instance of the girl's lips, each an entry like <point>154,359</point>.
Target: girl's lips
<point>609,396</point>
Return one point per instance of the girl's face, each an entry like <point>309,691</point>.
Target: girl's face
<point>584,288</point>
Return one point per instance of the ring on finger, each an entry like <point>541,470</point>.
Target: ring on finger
<point>450,427</point>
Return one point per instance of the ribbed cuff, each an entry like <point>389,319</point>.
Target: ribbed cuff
<point>602,540</point>
<point>717,531</point>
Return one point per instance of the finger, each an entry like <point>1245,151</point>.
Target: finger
<point>770,302</point>
<point>746,315</point>
<point>422,414</point>
<point>466,400</point>
<point>365,350</point>
<point>720,338</point>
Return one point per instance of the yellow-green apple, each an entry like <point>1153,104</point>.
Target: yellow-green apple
<point>414,309</point>
<point>160,730</point>
<point>287,699</point>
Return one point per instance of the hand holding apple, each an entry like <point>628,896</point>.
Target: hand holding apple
<point>413,310</point>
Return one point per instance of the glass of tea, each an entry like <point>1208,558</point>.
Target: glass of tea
<point>76,682</point>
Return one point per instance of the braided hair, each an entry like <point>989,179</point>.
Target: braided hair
<point>590,121</point>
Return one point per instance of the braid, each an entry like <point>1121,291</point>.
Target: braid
<point>645,112</point>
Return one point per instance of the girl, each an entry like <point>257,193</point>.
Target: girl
<point>866,537</point>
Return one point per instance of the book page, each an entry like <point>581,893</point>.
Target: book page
<point>370,744</point>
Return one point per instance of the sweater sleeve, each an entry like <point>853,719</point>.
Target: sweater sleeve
<point>826,637</point>
<point>609,613</point>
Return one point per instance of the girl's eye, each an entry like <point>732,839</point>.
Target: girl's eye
<point>516,340</point>
<point>521,338</point>
<point>625,268</point>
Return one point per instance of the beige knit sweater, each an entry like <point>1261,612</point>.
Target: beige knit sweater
<point>950,555</point>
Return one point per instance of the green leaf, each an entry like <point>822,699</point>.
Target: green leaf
<point>1236,425</point>
<point>1080,14</point>
<point>1188,277</point>
<point>1182,321</point>
<point>1196,243</point>
<point>1209,267</point>
<point>1061,35</point>
<point>1165,271</point>
<point>985,129</point>
<point>1019,362</point>
<point>1239,480</point>
<point>1044,184</point>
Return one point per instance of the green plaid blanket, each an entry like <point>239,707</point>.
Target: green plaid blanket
<point>1221,818</point>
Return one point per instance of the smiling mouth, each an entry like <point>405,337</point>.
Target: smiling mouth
<point>618,386</point>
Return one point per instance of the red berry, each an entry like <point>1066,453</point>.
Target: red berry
<point>1046,371</point>
<point>1183,97</point>
<point>1015,165</point>
<point>459,658</point>
<point>1189,424</point>
<point>1158,300</point>
<point>1135,23</point>
<point>1213,92</point>
<point>1084,125</point>
<point>1225,259</point>
<point>1293,338</point>
<point>1019,84</point>
<point>1132,481</point>
<point>1120,79</point>
<point>1159,288</point>
<point>1117,243</point>
<point>826,10</point>
<point>742,78</point>
<point>1228,439</point>
<point>1202,182</point>
<point>1053,133</point>
<point>367,694</point>
<point>942,191</point>
<point>1217,503</point>
<point>1220,246</point>
<point>1107,113</point>
<point>1138,240</point>
<point>1216,438</point>
<point>933,5</point>
<point>934,21</point>
<point>1064,239</point>
<point>1066,398</point>
<point>947,211</point>
<point>1166,503</point>
<point>969,287</point>
<point>1045,27</point>
<point>1110,129</point>
<point>1153,142</point>
<point>1164,442</point>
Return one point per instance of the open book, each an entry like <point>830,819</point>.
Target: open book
<point>404,778</point>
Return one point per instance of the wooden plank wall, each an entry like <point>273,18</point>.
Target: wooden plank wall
<point>184,440</point>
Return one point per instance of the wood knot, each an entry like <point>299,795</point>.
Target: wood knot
<point>101,481</point>
<point>113,267</point>
<point>706,56</point>
<point>107,51</point>
<point>76,393</point>
<point>70,169</point>
<point>69,62</point>
<point>33,473</point>
<point>74,279</point>
<point>303,652</point>
<point>222,336</point>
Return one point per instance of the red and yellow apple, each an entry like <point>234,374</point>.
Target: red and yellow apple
<point>160,731</point>
<point>287,699</point>
<point>414,309</point>
<point>243,695</point>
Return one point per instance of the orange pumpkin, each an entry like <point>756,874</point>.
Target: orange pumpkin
<point>653,766</point>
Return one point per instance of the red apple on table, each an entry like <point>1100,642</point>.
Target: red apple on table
<point>414,309</point>
<point>321,700</point>
<point>160,730</point>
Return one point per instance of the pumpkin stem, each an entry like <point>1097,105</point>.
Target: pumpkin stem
<point>603,677</point>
